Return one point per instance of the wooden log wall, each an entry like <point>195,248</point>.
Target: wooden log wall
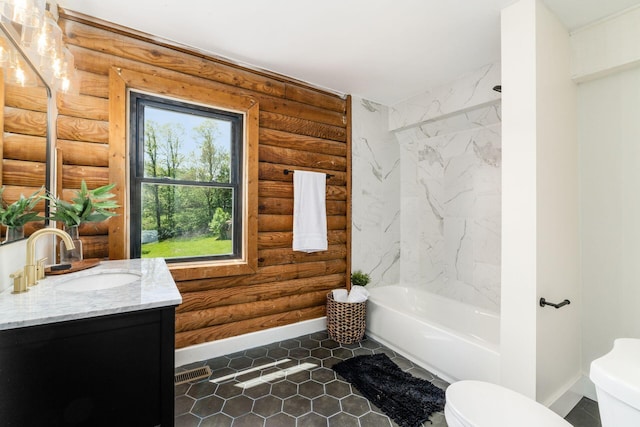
<point>299,128</point>
<point>23,151</point>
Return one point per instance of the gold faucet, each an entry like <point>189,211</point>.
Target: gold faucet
<point>30,266</point>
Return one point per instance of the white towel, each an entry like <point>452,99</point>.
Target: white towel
<point>358,294</point>
<point>309,212</point>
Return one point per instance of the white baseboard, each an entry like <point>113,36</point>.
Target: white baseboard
<point>209,350</point>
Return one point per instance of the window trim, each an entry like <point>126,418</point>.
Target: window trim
<point>191,91</point>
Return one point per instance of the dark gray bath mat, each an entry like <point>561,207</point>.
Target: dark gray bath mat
<point>407,400</point>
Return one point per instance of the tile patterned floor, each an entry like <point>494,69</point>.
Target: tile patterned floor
<point>311,398</point>
<point>585,414</point>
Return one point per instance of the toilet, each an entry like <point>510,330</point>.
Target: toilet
<point>617,379</point>
<point>482,404</point>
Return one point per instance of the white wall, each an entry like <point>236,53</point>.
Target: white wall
<point>540,346</point>
<point>609,119</point>
<point>519,219</point>
<point>558,278</point>
<point>376,194</point>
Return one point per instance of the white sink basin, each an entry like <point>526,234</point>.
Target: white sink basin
<point>100,280</point>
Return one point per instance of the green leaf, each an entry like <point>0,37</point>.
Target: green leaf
<point>21,211</point>
<point>86,205</point>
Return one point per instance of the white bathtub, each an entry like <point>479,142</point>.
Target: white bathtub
<point>453,340</point>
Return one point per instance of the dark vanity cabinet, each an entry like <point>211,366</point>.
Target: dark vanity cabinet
<point>115,370</point>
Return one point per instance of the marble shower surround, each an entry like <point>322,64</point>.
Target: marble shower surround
<point>450,214</point>
<point>450,187</point>
<point>427,190</point>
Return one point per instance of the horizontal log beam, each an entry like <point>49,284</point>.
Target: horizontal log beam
<point>26,98</point>
<point>25,147</point>
<point>73,175</point>
<point>84,153</point>
<point>306,159</point>
<point>25,122</point>
<point>194,301</point>
<point>283,239</point>
<point>266,275</point>
<point>285,222</point>
<point>301,126</point>
<point>312,96</point>
<point>294,141</point>
<point>275,172</point>
<point>234,313</point>
<point>213,333</point>
<point>289,256</point>
<point>92,84</point>
<point>285,190</point>
<point>79,129</point>
<point>23,174</point>
<point>86,107</point>
<point>281,206</point>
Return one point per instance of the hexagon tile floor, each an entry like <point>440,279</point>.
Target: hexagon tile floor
<point>315,396</point>
<point>311,397</point>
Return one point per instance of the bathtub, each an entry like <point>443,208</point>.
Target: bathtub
<point>453,340</point>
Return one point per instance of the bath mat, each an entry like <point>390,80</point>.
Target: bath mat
<point>407,400</point>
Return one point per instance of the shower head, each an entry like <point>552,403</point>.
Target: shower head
<point>498,88</point>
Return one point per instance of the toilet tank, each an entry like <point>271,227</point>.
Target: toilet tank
<point>616,376</point>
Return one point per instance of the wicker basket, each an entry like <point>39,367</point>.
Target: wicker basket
<point>345,320</point>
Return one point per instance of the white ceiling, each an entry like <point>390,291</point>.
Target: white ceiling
<point>382,50</point>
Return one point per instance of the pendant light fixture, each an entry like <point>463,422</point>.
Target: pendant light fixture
<point>32,26</point>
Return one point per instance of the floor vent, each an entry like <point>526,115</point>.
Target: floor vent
<point>192,375</point>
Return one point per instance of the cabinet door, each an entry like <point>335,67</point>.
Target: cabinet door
<point>106,371</point>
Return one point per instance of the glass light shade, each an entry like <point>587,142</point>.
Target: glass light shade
<point>40,39</point>
<point>27,13</point>
<point>6,10</point>
<point>49,39</point>
<point>63,64</point>
<point>5,52</point>
<point>18,72</point>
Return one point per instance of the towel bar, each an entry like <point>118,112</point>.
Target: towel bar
<point>287,172</point>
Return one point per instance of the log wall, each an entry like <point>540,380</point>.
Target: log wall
<point>299,128</point>
<point>23,151</point>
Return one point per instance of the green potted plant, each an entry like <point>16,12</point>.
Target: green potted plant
<point>15,215</point>
<point>86,206</point>
<point>358,278</point>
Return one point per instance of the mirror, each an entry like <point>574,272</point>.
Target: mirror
<point>24,142</point>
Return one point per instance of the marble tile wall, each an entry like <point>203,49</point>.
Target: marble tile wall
<point>427,190</point>
<point>463,94</point>
<point>376,194</point>
<point>450,187</point>
<point>450,213</point>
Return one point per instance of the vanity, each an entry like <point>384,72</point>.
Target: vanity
<point>90,348</point>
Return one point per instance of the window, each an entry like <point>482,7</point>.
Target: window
<point>186,186</point>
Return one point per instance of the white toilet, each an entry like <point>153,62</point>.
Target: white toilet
<point>482,404</point>
<point>617,379</point>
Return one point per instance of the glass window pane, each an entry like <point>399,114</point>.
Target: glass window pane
<point>184,146</point>
<point>186,221</point>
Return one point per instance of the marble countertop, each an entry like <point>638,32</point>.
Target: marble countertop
<point>49,302</point>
